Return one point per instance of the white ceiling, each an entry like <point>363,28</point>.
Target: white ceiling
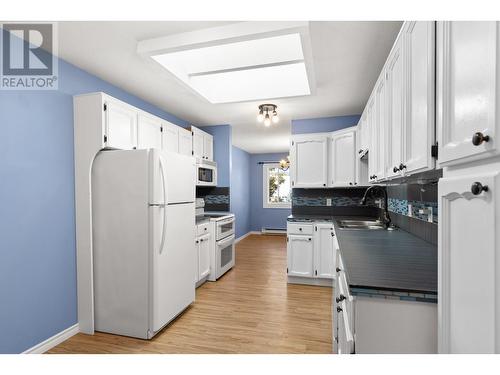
<point>347,58</point>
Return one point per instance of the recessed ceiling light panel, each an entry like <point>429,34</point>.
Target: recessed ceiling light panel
<point>264,68</point>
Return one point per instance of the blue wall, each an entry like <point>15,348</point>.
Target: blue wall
<point>261,217</point>
<point>240,190</point>
<point>37,216</point>
<point>323,124</point>
<point>222,152</point>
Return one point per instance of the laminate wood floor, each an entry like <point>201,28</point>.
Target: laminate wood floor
<point>251,309</point>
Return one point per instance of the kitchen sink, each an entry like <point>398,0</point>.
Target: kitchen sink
<point>361,224</point>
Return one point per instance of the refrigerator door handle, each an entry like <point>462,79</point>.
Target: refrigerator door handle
<point>164,205</point>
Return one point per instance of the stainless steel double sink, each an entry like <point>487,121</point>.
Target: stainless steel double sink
<point>361,224</point>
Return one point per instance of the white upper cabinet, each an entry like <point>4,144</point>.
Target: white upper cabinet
<point>376,158</point>
<point>324,252</point>
<point>185,144</point>
<point>343,157</point>
<point>149,131</point>
<point>469,237</point>
<point>300,255</point>
<point>394,122</point>
<point>202,144</point>
<point>120,125</point>
<point>170,137</point>
<point>467,91</point>
<point>420,93</point>
<point>309,160</point>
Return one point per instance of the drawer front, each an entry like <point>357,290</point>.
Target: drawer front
<point>202,229</point>
<point>298,228</point>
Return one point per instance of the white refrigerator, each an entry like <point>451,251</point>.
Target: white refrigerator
<point>143,220</point>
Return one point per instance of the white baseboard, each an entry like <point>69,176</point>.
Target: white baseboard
<point>245,236</point>
<point>310,281</point>
<point>273,231</point>
<point>53,341</point>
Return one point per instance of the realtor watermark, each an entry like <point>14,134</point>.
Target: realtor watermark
<point>28,58</point>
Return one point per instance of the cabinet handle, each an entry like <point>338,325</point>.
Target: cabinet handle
<point>477,188</point>
<point>402,166</point>
<point>339,309</point>
<point>333,234</point>
<point>340,298</point>
<point>395,169</point>
<point>338,269</point>
<point>478,138</point>
<point>316,272</point>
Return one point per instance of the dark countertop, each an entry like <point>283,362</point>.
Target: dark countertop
<point>384,260</point>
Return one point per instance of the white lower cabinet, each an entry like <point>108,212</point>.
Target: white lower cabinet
<point>300,255</point>
<point>203,256</point>
<point>324,254</point>
<point>469,238</point>
<point>311,253</point>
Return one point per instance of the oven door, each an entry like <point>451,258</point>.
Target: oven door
<point>225,228</point>
<point>206,175</point>
<point>224,255</point>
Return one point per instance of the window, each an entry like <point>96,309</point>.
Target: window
<point>276,187</point>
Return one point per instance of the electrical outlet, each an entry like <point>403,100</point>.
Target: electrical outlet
<point>328,201</point>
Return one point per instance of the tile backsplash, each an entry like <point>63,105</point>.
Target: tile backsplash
<point>216,198</point>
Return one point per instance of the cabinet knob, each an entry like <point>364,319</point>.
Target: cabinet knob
<point>300,229</point>
<point>310,238</point>
<point>340,298</point>
<point>395,169</point>
<point>197,241</point>
<point>350,183</point>
<point>478,138</point>
<point>333,234</point>
<point>338,269</point>
<point>201,240</point>
<point>324,184</point>
<point>402,166</point>
<point>339,309</point>
<point>477,188</point>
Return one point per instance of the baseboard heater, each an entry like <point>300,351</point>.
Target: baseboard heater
<point>273,231</point>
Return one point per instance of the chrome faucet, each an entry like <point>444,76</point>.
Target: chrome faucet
<point>386,220</point>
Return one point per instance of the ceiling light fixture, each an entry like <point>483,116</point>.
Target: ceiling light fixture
<point>268,113</point>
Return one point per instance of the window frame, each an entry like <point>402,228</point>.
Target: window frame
<point>265,188</point>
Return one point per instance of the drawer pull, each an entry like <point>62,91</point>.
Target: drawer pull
<point>338,269</point>
<point>340,298</point>
<point>478,138</point>
<point>477,188</point>
<point>339,309</point>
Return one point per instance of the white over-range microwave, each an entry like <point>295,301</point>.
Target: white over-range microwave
<point>206,173</point>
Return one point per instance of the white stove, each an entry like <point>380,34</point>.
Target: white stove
<point>222,257</point>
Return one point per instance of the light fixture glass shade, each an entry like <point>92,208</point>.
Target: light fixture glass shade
<point>267,120</point>
<point>276,119</point>
<point>260,116</point>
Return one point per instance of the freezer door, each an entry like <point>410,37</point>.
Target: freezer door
<point>173,174</point>
<point>173,288</point>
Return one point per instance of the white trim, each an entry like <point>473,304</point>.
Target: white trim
<point>273,231</point>
<point>265,188</point>
<point>53,341</point>
<point>245,236</point>
<point>310,281</point>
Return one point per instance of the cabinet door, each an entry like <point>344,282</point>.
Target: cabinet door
<point>300,255</point>
<point>198,143</point>
<point>121,126</point>
<point>468,260</point>
<point>381,121</point>
<point>208,147</point>
<point>419,125</point>
<point>343,159</point>
<point>204,257</point>
<point>185,142</point>
<point>197,261</point>
<point>171,137</point>
<point>467,90</point>
<point>324,253</point>
<point>345,334</point>
<point>148,132</point>
<point>310,160</point>
<point>373,136</point>
<point>394,121</point>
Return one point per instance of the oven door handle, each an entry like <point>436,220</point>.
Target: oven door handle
<point>227,221</point>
